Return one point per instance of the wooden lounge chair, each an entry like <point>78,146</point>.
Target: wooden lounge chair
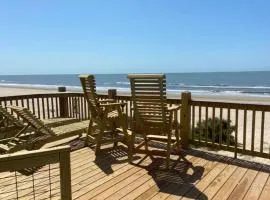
<point>8,119</point>
<point>40,134</point>
<point>105,116</point>
<point>152,118</point>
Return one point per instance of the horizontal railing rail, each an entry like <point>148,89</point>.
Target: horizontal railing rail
<point>51,105</point>
<point>34,174</point>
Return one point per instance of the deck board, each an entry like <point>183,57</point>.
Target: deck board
<point>257,186</point>
<point>219,181</point>
<point>183,189</point>
<point>225,191</point>
<point>266,190</point>
<point>244,185</point>
<point>170,188</point>
<point>109,176</point>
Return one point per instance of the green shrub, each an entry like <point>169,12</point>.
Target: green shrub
<point>204,125</point>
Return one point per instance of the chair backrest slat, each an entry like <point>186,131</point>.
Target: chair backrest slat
<point>89,88</point>
<point>149,97</point>
<point>32,120</point>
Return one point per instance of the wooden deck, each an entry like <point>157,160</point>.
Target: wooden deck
<point>109,176</point>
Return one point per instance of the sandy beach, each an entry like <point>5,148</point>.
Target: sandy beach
<point>15,90</point>
<point>12,91</point>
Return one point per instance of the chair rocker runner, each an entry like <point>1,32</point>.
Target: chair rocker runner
<point>105,116</point>
<point>40,132</point>
<point>152,118</point>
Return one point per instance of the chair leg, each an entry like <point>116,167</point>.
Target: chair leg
<point>114,133</point>
<point>148,153</point>
<point>168,158</point>
<point>146,142</point>
<point>124,126</point>
<point>99,139</point>
<point>177,138</point>
<point>168,151</point>
<point>115,144</point>
<point>89,130</point>
<point>131,147</point>
<point>181,156</point>
<point>2,121</point>
<point>179,150</point>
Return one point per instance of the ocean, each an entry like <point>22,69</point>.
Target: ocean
<point>208,83</point>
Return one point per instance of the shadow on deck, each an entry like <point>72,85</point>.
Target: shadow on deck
<point>109,176</point>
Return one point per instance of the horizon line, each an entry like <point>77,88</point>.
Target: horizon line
<point>137,73</point>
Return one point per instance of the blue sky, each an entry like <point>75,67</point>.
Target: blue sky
<point>51,36</point>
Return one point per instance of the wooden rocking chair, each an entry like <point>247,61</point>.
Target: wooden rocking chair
<point>152,118</point>
<point>105,116</point>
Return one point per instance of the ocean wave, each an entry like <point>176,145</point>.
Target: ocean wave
<point>222,86</point>
<point>176,84</point>
<point>5,81</point>
<point>122,83</point>
<point>192,86</point>
<point>215,86</point>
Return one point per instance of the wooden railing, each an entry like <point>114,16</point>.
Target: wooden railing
<point>250,135</point>
<point>50,105</point>
<point>49,181</point>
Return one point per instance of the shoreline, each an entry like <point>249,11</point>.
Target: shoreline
<point>23,90</point>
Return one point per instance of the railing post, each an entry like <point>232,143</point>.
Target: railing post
<point>112,93</point>
<point>62,89</point>
<point>65,175</point>
<point>185,119</point>
<point>63,103</point>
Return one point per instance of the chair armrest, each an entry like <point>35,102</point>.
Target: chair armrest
<point>113,104</point>
<point>173,108</point>
<point>106,100</point>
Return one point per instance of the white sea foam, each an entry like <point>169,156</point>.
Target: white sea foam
<point>122,83</point>
<point>29,85</point>
<point>220,86</point>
